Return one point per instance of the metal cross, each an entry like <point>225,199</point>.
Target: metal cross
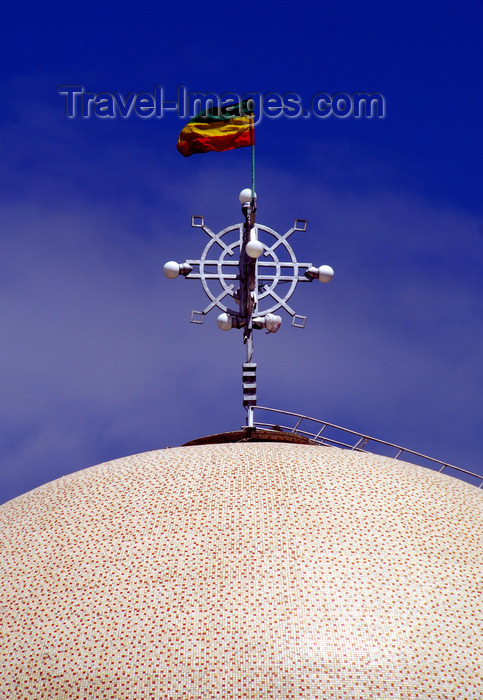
<point>246,263</point>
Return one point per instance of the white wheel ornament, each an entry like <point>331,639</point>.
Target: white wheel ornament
<point>277,270</point>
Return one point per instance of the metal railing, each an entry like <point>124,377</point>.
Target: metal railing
<point>334,435</point>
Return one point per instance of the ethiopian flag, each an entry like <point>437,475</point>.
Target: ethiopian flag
<point>218,129</point>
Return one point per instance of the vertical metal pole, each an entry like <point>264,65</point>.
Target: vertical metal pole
<point>248,267</point>
<point>252,134</point>
<point>249,359</point>
<point>247,288</point>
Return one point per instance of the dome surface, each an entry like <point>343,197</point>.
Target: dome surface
<point>250,570</point>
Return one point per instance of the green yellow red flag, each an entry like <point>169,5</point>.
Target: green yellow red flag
<point>218,129</point>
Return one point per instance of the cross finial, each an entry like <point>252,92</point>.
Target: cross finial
<point>257,271</point>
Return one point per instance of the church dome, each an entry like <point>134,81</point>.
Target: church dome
<point>243,570</point>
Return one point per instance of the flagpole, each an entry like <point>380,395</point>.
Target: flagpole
<point>252,130</point>
<point>249,366</point>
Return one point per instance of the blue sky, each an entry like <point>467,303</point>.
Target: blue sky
<point>98,359</point>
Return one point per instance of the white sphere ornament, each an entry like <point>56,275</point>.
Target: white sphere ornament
<point>245,196</point>
<point>326,273</point>
<point>171,269</point>
<point>254,249</point>
<point>272,323</point>
<point>224,322</point>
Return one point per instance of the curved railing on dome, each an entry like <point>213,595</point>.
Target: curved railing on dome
<point>325,433</point>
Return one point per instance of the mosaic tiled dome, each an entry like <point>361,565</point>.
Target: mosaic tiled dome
<point>250,570</point>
